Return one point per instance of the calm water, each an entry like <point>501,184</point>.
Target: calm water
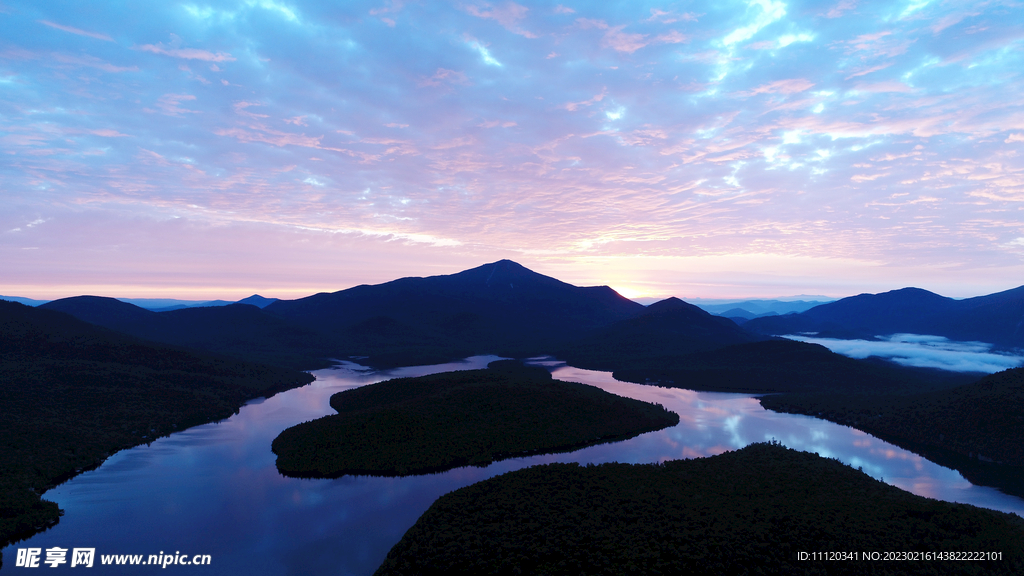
<point>214,489</point>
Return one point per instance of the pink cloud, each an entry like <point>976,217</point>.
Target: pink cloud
<point>240,108</point>
<point>573,106</point>
<point>454,143</point>
<point>950,20</point>
<point>564,10</point>
<point>267,136</point>
<point>495,124</point>
<point>78,31</point>
<point>108,133</point>
<point>188,53</point>
<point>886,86</point>
<point>838,10</point>
<point>620,41</point>
<point>395,146</point>
<point>666,17</point>
<point>866,71</point>
<point>671,37</point>
<point>877,44</point>
<point>508,15</point>
<point>168,104</point>
<point>91,62</point>
<point>867,177</point>
<point>150,157</point>
<point>393,7</point>
<point>1014,138</point>
<point>790,86</point>
<point>647,136</point>
<point>443,76</point>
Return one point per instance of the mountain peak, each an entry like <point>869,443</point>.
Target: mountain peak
<point>670,303</point>
<point>503,274</point>
<point>257,300</point>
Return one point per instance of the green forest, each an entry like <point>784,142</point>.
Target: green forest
<point>745,512</point>
<point>473,417</point>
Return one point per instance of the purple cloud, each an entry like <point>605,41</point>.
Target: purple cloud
<point>734,149</point>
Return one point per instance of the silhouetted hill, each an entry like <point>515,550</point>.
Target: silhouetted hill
<point>471,417</point>
<point>500,307</point>
<point>257,301</point>
<point>780,365</point>
<point>961,427</point>
<point>239,330</point>
<point>107,312</point>
<point>666,330</point>
<point>74,393</point>
<point>983,418</point>
<point>997,318</point>
<point>750,511</point>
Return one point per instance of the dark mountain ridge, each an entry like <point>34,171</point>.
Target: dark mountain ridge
<point>501,308</point>
<point>73,393</point>
<point>666,329</point>
<point>997,319</point>
<point>238,330</point>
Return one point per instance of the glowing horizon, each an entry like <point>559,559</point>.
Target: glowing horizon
<point>738,149</point>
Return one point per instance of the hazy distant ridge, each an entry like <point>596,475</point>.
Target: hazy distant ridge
<point>996,318</point>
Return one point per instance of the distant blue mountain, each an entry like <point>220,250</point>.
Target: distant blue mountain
<point>257,301</point>
<point>996,318</point>
<point>741,316</point>
<point>161,304</point>
<point>25,301</point>
<point>757,308</point>
<point>168,305</point>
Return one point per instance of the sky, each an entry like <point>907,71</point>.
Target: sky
<point>718,149</point>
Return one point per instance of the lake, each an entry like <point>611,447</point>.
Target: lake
<point>214,489</point>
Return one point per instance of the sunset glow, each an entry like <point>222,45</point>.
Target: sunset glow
<point>699,149</point>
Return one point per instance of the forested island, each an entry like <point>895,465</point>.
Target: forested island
<point>751,511</point>
<point>473,417</point>
<point>74,393</point>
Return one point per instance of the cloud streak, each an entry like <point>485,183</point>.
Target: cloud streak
<point>922,351</point>
<point>188,53</point>
<point>77,31</point>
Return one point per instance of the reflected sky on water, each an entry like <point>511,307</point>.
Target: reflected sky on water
<point>214,489</point>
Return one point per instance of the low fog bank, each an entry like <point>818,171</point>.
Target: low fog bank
<point>922,351</point>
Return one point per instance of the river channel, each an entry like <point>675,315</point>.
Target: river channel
<point>214,489</point>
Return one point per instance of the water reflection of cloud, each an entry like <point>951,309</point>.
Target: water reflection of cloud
<point>922,351</point>
<point>216,487</point>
